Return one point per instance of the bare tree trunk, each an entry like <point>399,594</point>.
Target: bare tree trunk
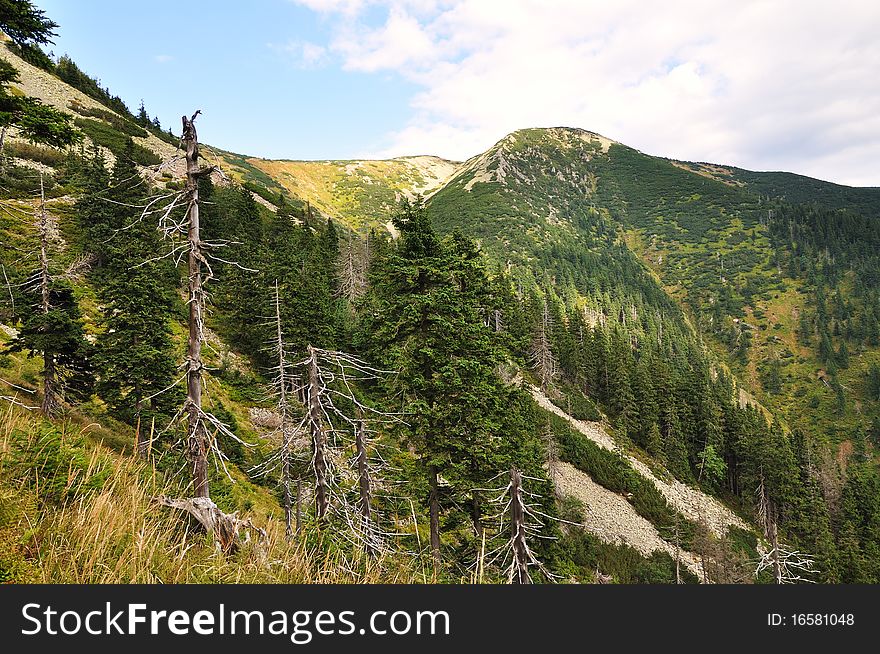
<point>518,530</point>
<point>229,531</point>
<point>677,552</point>
<point>552,454</point>
<point>299,494</point>
<point>541,354</point>
<point>363,471</point>
<point>434,510</point>
<point>774,543</point>
<point>2,146</point>
<point>767,518</point>
<point>197,438</point>
<point>366,492</point>
<point>351,268</point>
<point>477,513</point>
<point>286,435</point>
<point>319,437</point>
<point>140,440</point>
<point>50,404</point>
<point>140,444</point>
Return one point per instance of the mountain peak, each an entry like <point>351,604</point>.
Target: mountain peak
<point>561,135</point>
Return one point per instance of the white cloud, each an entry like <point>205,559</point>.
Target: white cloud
<point>163,58</point>
<point>305,54</point>
<point>400,42</point>
<point>786,85</point>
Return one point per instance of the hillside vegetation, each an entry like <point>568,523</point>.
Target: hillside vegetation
<point>648,343</point>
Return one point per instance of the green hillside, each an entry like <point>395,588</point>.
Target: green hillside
<point>713,235</point>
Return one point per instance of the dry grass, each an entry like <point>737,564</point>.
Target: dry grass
<point>115,533</point>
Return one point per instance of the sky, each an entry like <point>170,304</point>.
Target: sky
<point>765,85</point>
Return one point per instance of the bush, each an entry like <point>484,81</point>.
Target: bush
<point>117,122</point>
<point>62,466</point>
<point>21,180</point>
<point>577,406</point>
<point>45,155</point>
<point>579,553</point>
<point>107,136</point>
<point>262,191</point>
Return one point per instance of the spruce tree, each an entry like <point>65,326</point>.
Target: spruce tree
<point>57,335</point>
<point>51,322</point>
<point>429,326</point>
<point>134,356</point>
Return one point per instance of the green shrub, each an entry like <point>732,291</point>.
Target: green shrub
<point>117,122</point>
<point>743,541</point>
<point>116,141</point>
<point>579,553</point>
<point>42,154</point>
<point>577,406</point>
<point>19,181</point>
<point>262,191</point>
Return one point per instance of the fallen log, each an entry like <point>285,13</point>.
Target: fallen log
<point>229,531</point>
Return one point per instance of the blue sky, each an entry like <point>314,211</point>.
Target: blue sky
<point>255,98</point>
<point>766,85</point>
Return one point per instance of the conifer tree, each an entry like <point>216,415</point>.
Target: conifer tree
<point>429,326</point>
<point>541,354</point>
<point>142,117</point>
<point>134,353</point>
<point>51,322</point>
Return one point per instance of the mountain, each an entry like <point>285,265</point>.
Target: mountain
<point>540,199</point>
<point>708,327</point>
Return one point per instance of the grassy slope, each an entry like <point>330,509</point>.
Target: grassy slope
<point>75,511</point>
<point>359,193</point>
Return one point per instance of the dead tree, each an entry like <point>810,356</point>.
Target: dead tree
<point>199,443</point>
<point>330,410</point>
<point>552,453</point>
<point>351,268</point>
<point>197,437</point>
<point>518,521</point>
<point>51,391</point>
<point>364,485</point>
<point>541,354</point>
<point>299,494</point>
<point>787,565</point>
<point>677,543</point>
<point>286,435</point>
<point>434,517</point>
<point>333,409</point>
<point>318,432</point>
<point>286,428</point>
<point>519,569</point>
<point>767,520</point>
<point>229,531</point>
<point>39,284</point>
<point>370,533</point>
